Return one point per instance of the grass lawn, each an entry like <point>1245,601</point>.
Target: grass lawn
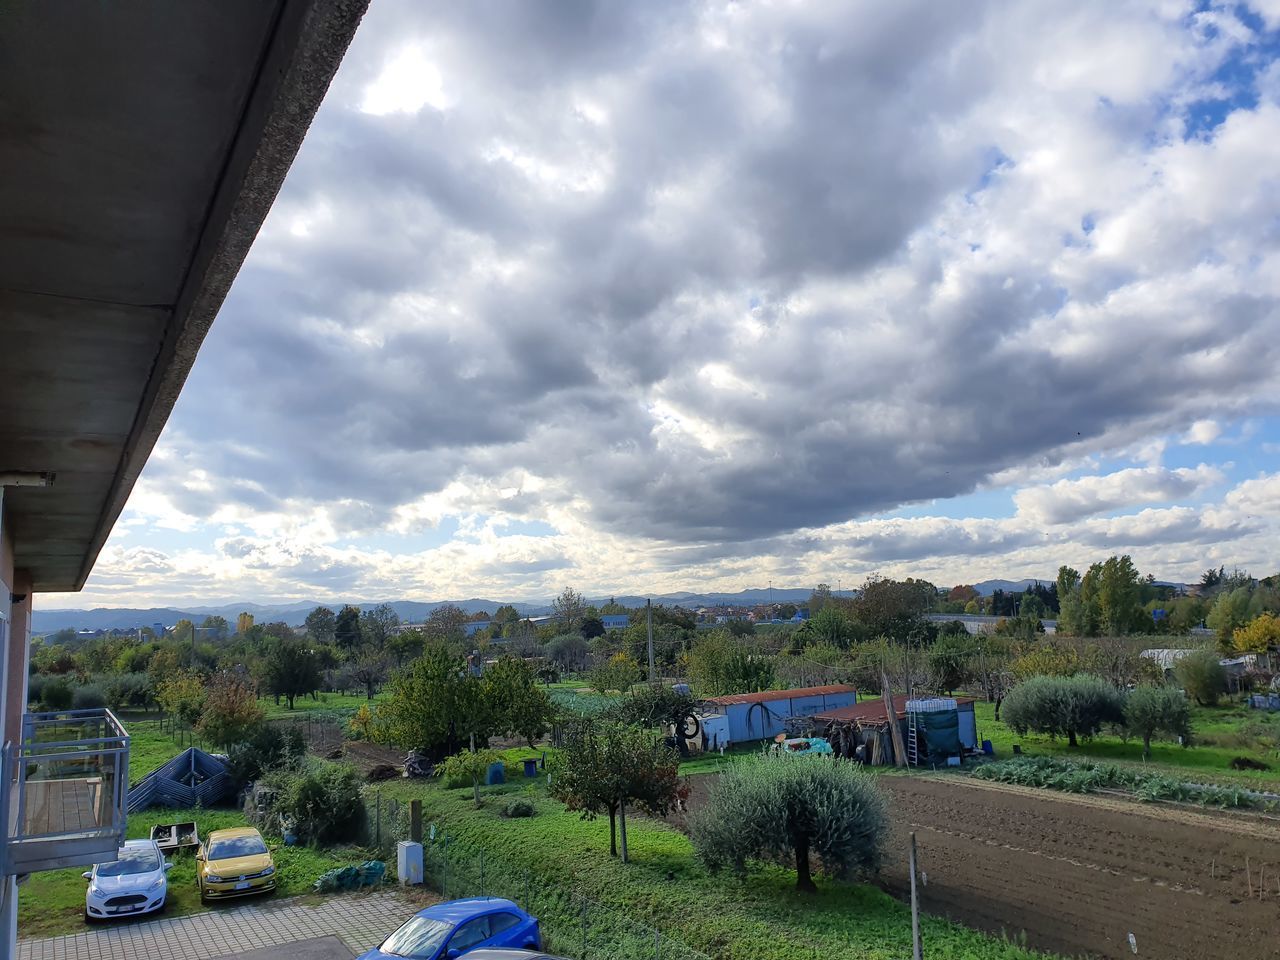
<point>149,745</point>
<point>547,861</point>
<point>52,903</point>
<point>343,704</point>
<point>1223,732</point>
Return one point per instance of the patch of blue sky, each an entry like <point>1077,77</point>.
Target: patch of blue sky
<point>1234,85</point>
<point>994,161</point>
<point>418,541</point>
<point>525,528</point>
<point>995,504</point>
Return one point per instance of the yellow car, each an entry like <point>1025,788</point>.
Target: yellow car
<point>234,863</point>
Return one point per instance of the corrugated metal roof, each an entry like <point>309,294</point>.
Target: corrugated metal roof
<point>768,696</point>
<point>872,711</point>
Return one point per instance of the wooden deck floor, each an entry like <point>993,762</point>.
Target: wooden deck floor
<point>63,806</point>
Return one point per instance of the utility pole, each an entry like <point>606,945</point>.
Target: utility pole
<point>648,608</point>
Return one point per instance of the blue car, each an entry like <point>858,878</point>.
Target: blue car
<point>451,929</point>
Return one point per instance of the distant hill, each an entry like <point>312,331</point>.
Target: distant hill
<point>988,587</point>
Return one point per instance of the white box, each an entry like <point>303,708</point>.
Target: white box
<point>409,862</point>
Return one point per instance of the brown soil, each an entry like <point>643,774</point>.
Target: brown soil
<point>1080,874</point>
<point>1076,875</point>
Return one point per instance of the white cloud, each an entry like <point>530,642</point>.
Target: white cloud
<point>1068,501</point>
<point>1203,432</point>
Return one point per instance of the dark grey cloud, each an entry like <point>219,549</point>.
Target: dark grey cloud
<point>839,205</point>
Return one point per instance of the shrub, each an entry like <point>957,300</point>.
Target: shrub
<point>127,690</point>
<point>231,712</point>
<point>619,673</point>
<point>1202,676</point>
<point>773,807</point>
<point>321,800</point>
<point>514,809</point>
<point>35,687</point>
<point>56,694</point>
<point>267,748</point>
<point>88,697</point>
<point>1063,706</point>
<point>1149,711</point>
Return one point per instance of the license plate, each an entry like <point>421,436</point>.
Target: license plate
<point>121,909</point>
<point>243,886</point>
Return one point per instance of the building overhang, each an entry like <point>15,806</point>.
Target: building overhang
<point>142,146</point>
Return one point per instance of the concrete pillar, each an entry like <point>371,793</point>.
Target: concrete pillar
<point>17,656</point>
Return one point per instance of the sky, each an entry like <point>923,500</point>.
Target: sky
<point>637,297</point>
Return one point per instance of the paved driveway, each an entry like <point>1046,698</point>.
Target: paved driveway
<point>360,921</point>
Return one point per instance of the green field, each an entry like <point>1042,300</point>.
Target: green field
<point>1220,734</point>
<point>150,745</point>
<point>555,856</point>
<point>341,704</point>
<point>52,903</point>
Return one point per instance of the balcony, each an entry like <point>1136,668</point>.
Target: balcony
<point>64,789</point>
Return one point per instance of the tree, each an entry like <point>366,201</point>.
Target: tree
<point>1063,706</point>
<point>819,599</point>
<point>949,660</point>
<point>1149,711</point>
<point>321,625</point>
<point>778,808</point>
<point>378,625</point>
<point>894,607</point>
<point>619,672</point>
<point>346,629</point>
<point>447,624</point>
<point>406,645</point>
<point>243,622</point>
<point>370,669</point>
<point>720,664</point>
<point>436,705</point>
<point>181,696</point>
<point>568,609</point>
<point>468,765</point>
<point>515,702</point>
<point>1202,676</point>
<point>231,712</point>
<point>184,631</point>
<point>1229,611</point>
<point>568,651</point>
<point>1259,635</point>
<point>832,627</point>
<point>604,766</point>
<point>1118,595</point>
<point>290,670</point>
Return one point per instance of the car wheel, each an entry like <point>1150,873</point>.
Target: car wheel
<point>88,918</point>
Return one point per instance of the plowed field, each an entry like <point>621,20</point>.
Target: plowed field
<point>1078,875</point>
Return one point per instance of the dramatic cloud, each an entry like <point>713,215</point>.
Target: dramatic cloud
<point>631,294</point>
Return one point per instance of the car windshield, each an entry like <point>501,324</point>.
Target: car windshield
<point>236,847</point>
<point>131,860</point>
<point>419,939</point>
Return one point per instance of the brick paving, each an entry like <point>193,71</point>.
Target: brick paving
<point>361,921</point>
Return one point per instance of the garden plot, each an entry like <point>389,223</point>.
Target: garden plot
<point>1079,874</point>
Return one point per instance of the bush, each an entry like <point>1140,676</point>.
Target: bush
<point>127,690</point>
<point>321,801</point>
<point>1063,706</point>
<point>514,809</point>
<point>88,697</point>
<point>1202,676</point>
<point>231,712</point>
<point>35,687</point>
<point>56,695</point>
<point>772,807</point>
<point>268,748</point>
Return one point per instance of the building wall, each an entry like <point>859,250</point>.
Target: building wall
<point>747,721</point>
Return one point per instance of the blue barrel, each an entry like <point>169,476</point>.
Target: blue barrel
<point>987,748</point>
<point>531,766</point>
<point>497,773</point>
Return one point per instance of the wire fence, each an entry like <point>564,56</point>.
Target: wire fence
<point>572,925</point>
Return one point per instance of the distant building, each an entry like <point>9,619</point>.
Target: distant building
<point>472,627</point>
<point>616,621</point>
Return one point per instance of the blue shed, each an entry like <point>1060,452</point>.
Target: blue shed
<point>616,621</point>
<point>762,716</point>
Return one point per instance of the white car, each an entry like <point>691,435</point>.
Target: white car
<point>134,883</point>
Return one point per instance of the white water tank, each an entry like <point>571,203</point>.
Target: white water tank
<point>409,862</point>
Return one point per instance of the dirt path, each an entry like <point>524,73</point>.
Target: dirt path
<point>1080,874</point>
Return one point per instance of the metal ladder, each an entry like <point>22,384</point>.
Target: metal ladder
<point>913,743</point>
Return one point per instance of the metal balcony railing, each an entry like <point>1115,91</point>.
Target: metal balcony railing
<point>63,791</point>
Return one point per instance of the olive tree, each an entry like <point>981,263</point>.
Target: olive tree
<point>779,808</point>
<point>1073,707</point>
<point>1149,711</point>
<point>1203,676</point>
